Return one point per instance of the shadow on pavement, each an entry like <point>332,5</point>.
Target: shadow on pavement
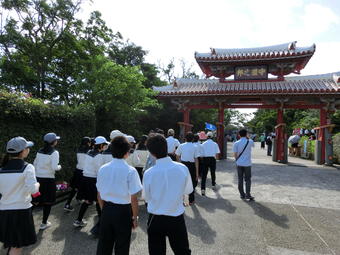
<point>269,215</point>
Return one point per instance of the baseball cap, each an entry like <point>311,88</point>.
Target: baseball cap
<point>130,139</point>
<point>115,133</point>
<point>51,137</point>
<point>18,144</point>
<point>100,140</point>
<point>210,134</point>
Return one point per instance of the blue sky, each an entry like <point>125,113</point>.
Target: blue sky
<point>178,28</point>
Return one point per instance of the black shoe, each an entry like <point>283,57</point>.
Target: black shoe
<point>243,197</point>
<point>250,198</point>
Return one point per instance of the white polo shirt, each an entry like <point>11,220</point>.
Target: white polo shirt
<point>173,143</point>
<point>210,148</point>
<point>164,186</point>
<point>117,181</point>
<point>187,152</point>
<point>245,159</point>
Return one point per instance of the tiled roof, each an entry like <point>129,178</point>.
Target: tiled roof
<point>276,51</point>
<point>305,85</point>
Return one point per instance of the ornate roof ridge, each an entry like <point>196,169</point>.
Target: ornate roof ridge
<point>280,50</point>
<point>326,76</point>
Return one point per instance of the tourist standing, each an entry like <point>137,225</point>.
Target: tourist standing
<point>262,140</point>
<point>172,143</point>
<point>242,153</point>
<point>93,162</point>
<point>269,143</point>
<point>46,163</point>
<point>187,153</point>
<point>17,183</point>
<point>210,151</point>
<point>78,172</point>
<point>118,185</point>
<point>164,186</point>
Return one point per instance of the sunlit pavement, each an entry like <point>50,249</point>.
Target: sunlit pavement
<point>297,211</point>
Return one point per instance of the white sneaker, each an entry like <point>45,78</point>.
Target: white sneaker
<point>78,223</point>
<point>44,226</point>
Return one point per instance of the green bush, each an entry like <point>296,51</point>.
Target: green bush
<point>32,118</point>
<point>336,147</point>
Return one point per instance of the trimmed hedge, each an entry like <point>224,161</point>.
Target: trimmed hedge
<point>336,148</point>
<point>32,118</point>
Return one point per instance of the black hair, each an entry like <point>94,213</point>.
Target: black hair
<point>119,147</point>
<point>47,147</point>
<point>98,146</point>
<point>160,131</point>
<point>157,146</point>
<point>84,146</point>
<point>243,133</point>
<point>7,157</point>
<point>189,137</point>
<point>196,138</point>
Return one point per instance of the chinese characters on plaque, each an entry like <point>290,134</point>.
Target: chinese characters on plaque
<point>251,73</point>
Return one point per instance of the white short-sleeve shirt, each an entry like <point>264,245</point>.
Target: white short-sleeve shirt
<point>188,152</point>
<point>245,159</point>
<point>173,143</point>
<point>210,148</point>
<point>117,181</point>
<point>164,186</point>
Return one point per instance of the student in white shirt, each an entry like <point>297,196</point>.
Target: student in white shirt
<point>46,163</point>
<point>17,183</point>
<point>172,143</point>
<point>200,153</point>
<point>210,151</point>
<point>187,153</point>
<point>118,185</point>
<point>242,153</point>
<point>164,186</point>
<point>78,172</point>
<point>93,162</point>
<point>143,155</point>
<point>132,159</point>
<point>107,154</point>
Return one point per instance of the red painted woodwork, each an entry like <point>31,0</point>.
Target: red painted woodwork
<point>323,122</point>
<point>280,137</point>
<point>220,130</point>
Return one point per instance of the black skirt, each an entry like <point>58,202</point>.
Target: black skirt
<point>47,191</point>
<point>76,179</point>
<point>88,188</point>
<point>17,228</point>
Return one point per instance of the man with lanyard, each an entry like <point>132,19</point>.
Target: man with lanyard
<point>164,186</point>
<point>242,153</point>
<point>172,143</point>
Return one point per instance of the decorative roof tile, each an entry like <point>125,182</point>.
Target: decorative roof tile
<point>275,51</point>
<point>303,85</point>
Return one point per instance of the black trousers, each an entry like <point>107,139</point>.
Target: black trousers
<point>244,173</point>
<point>269,149</point>
<point>192,169</point>
<point>208,163</point>
<point>115,229</point>
<point>160,227</point>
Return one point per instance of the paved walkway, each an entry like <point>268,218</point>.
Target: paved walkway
<point>297,211</point>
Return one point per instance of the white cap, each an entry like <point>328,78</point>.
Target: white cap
<point>100,140</point>
<point>130,139</point>
<point>18,144</point>
<point>115,133</point>
<point>210,134</point>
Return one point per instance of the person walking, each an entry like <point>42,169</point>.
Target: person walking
<point>143,155</point>
<point>172,143</point>
<point>93,162</point>
<point>118,184</point>
<point>107,154</point>
<point>242,153</point>
<point>46,163</point>
<point>187,153</point>
<point>210,151</point>
<point>269,143</point>
<point>17,183</point>
<point>164,186</point>
<point>78,172</point>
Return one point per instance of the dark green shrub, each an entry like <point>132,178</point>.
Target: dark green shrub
<point>32,118</point>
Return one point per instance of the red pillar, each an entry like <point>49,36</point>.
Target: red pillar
<point>280,157</point>
<point>186,120</point>
<point>323,122</point>
<point>220,130</point>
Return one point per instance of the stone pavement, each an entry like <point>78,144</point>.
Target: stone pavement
<point>296,212</point>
